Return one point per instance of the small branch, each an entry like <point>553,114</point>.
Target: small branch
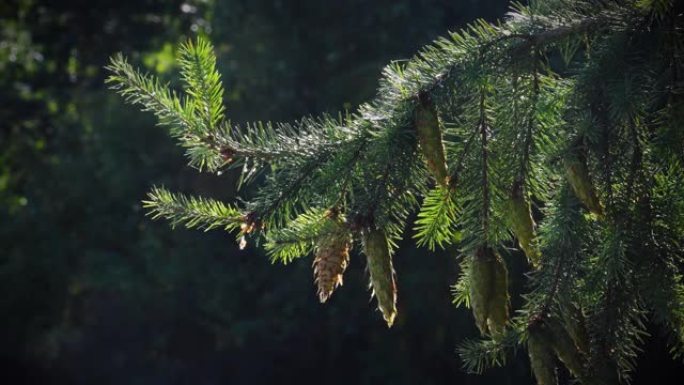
<point>607,160</point>
<point>453,180</point>
<point>553,35</point>
<point>548,300</point>
<point>350,164</point>
<point>524,163</point>
<point>292,188</point>
<point>229,153</point>
<point>485,175</point>
<point>635,162</point>
<point>379,187</point>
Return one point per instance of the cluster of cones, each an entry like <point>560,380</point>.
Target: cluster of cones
<point>332,257</point>
<point>488,278</point>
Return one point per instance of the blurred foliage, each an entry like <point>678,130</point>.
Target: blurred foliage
<point>91,291</point>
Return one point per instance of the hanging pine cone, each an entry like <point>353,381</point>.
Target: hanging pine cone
<point>565,348</point>
<point>498,305</point>
<point>430,138</point>
<point>331,256</point>
<point>522,224</point>
<point>575,324</point>
<point>578,176</point>
<point>489,291</point>
<point>382,276</point>
<point>479,290</point>
<point>542,359</point>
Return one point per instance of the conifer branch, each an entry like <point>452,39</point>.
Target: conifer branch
<point>436,219</point>
<point>560,242</point>
<point>479,355</point>
<point>201,213</point>
<point>203,81</point>
<point>297,239</point>
<point>454,179</point>
<point>612,117</point>
<point>151,95</point>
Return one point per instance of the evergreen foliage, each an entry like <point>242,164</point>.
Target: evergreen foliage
<point>192,212</point>
<point>573,108</point>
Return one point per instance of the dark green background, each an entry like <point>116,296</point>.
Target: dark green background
<point>92,291</point>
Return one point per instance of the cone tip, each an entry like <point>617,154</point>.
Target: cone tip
<point>389,318</point>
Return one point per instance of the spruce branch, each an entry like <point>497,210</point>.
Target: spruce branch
<point>460,291</point>
<point>177,114</point>
<point>561,243</point>
<point>454,178</point>
<point>203,81</point>
<point>297,239</point>
<point>201,213</point>
<point>435,225</point>
<point>148,92</point>
<point>479,355</point>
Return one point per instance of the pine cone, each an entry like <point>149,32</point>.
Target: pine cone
<point>382,275</point>
<point>430,138</point>
<point>489,291</point>
<point>565,348</point>
<point>578,176</point>
<point>522,224</point>
<point>498,304</point>
<point>575,324</point>
<point>331,257</point>
<point>542,359</point>
<point>480,289</point>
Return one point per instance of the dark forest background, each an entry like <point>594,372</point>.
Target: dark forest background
<point>92,291</point>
